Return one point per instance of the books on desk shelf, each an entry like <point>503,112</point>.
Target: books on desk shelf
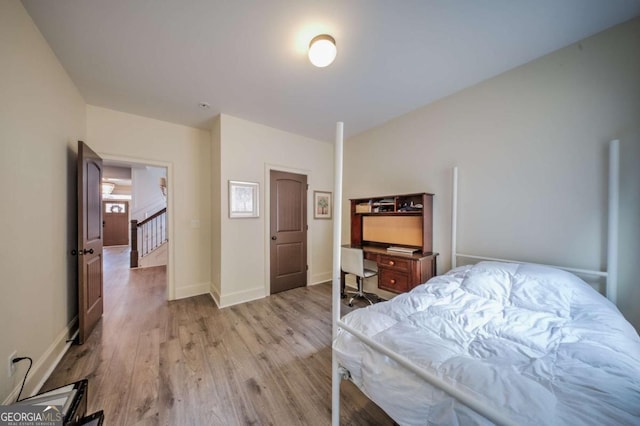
<point>404,250</point>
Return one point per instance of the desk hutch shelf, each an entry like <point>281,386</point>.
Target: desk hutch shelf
<point>378,223</point>
<point>389,228</point>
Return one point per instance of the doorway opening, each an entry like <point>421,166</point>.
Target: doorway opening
<point>136,195</point>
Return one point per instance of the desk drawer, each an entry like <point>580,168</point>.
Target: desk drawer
<point>392,280</point>
<point>395,263</point>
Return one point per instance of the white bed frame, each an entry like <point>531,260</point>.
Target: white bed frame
<point>491,413</point>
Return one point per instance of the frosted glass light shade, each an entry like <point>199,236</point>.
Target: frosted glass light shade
<point>322,50</point>
<point>107,188</point>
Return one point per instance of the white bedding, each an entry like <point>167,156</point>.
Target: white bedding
<point>536,343</point>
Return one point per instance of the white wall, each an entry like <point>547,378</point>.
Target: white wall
<point>146,195</point>
<point>248,150</point>
<point>187,152</point>
<point>42,116</point>
<point>531,145</point>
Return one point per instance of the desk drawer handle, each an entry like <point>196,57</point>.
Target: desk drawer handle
<point>392,281</point>
<point>391,263</point>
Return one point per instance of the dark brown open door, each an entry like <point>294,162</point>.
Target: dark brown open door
<point>89,240</point>
<point>288,231</point>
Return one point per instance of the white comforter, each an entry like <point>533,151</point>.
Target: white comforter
<point>536,343</point>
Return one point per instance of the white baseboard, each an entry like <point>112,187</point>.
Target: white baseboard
<point>254,294</point>
<point>44,366</point>
<point>191,290</point>
<point>239,297</point>
<point>320,278</point>
<point>215,295</point>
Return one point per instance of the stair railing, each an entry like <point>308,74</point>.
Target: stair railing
<point>147,235</point>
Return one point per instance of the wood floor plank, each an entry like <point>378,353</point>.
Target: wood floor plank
<point>187,362</point>
<point>172,410</point>
<point>142,405</point>
<point>264,378</point>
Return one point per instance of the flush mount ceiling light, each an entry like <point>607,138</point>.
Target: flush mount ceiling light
<point>322,50</point>
<point>107,188</point>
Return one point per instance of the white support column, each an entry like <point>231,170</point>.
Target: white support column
<point>337,238</point>
<point>454,218</point>
<point>612,234</point>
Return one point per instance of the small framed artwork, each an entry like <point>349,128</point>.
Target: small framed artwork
<point>243,199</point>
<point>322,205</point>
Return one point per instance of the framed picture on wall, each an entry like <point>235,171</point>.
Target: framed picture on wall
<point>243,199</point>
<point>322,205</point>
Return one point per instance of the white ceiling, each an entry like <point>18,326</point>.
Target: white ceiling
<point>247,58</point>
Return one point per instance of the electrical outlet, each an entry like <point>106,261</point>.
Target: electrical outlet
<point>12,366</point>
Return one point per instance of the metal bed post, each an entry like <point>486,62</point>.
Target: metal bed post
<point>612,231</point>
<point>337,238</point>
<point>454,217</point>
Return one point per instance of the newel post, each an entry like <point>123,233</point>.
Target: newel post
<point>133,257</point>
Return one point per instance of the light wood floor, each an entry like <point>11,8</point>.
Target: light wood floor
<point>186,362</point>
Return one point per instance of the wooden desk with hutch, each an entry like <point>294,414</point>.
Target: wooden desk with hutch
<point>378,223</point>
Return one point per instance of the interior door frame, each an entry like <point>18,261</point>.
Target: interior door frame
<point>267,220</point>
<point>171,290</point>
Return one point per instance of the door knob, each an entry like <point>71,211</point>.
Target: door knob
<point>274,238</point>
<point>85,251</point>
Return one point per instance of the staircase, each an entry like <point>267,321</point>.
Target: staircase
<point>156,257</point>
<point>148,241</point>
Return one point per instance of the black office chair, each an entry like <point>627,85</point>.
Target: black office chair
<point>352,262</point>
